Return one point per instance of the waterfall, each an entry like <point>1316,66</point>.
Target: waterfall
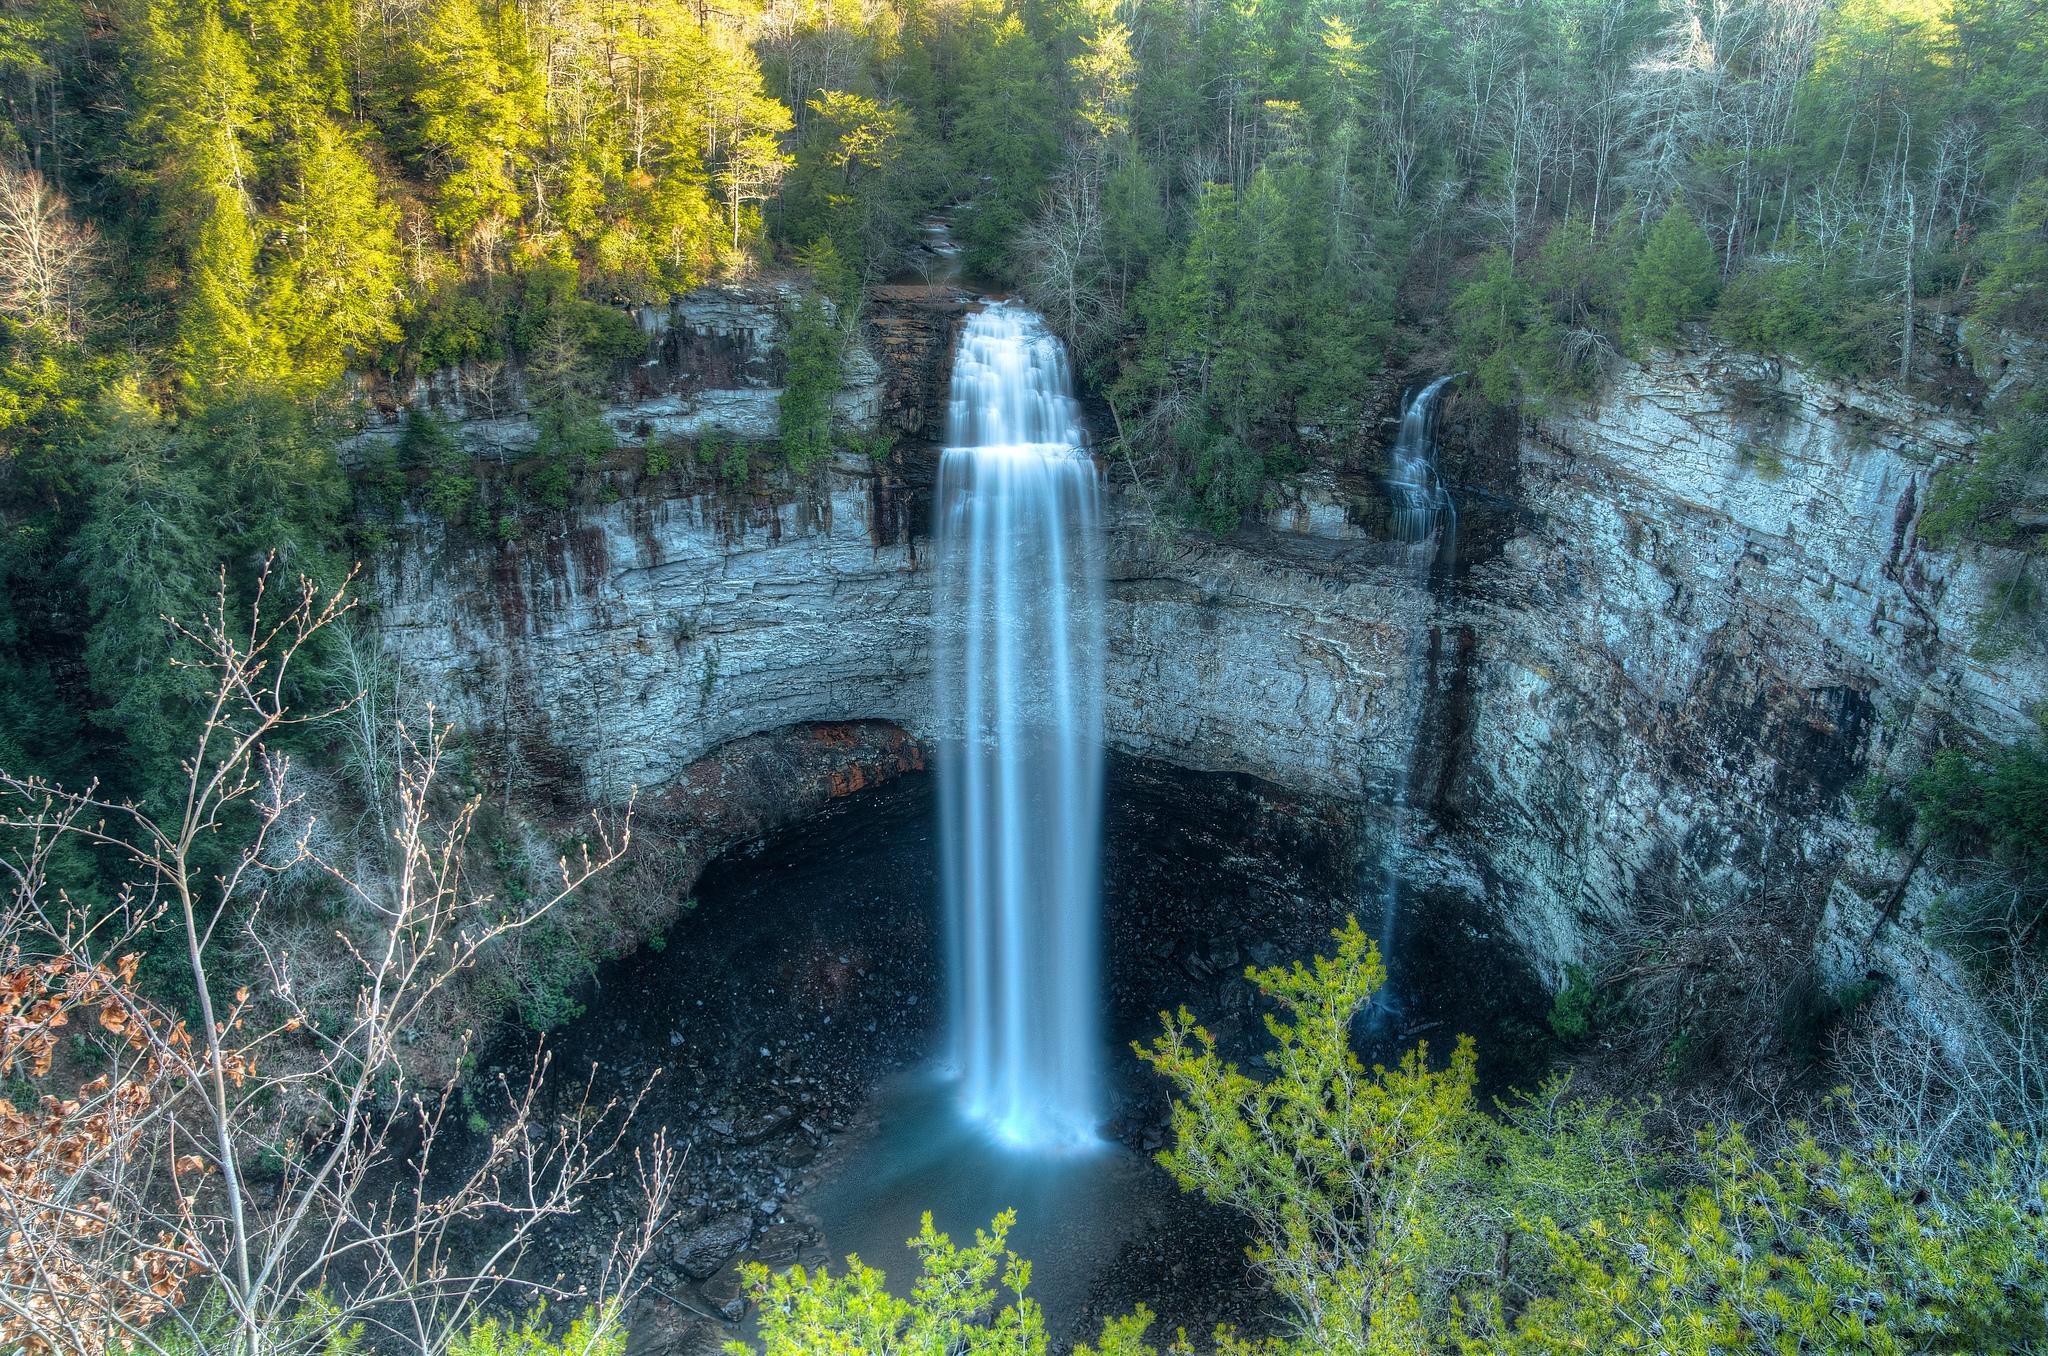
<point>1019,670</point>
<point>1416,486</point>
<point>1425,517</point>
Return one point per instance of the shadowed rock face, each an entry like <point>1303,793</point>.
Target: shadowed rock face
<point>1683,624</point>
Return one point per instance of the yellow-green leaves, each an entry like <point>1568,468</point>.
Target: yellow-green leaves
<point>1800,1250</point>
<point>1330,1161</point>
<point>966,1300</point>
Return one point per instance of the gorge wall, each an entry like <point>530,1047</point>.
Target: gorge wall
<point>1682,625</point>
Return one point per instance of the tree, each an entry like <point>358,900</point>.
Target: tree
<point>954,1306</point>
<point>754,166</point>
<point>2015,287</point>
<point>1330,1162</point>
<point>222,341</point>
<point>333,294</point>
<point>1797,1250</point>
<point>811,379</point>
<point>474,121</point>
<point>46,256</point>
<point>1674,278</point>
<point>314,1085</point>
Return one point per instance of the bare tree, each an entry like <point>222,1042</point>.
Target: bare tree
<point>46,255</point>
<point>1064,262</point>
<point>279,1146</point>
<point>1959,1071</point>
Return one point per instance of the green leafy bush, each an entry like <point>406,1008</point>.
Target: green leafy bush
<point>595,1332</point>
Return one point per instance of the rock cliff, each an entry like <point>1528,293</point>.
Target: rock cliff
<point>1681,624</point>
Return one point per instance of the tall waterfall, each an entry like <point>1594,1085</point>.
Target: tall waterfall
<point>1019,668</point>
<point>1425,517</point>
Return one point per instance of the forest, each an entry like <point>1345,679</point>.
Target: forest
<point>226,224</point>
<point>218,215</point>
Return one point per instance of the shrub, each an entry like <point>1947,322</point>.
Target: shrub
<point>596,1332</point>
<point>1578,1007</point>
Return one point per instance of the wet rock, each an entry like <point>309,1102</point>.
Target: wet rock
<point>706,1249</point>
<point>725,1292</point>
<point>784,1243</point>
<point>767,1125</point>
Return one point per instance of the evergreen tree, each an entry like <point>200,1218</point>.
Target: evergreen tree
<point>1674,279</point>
<point>474,118</point>
<point>222,341</point>
<point>809,383</point>
<point>333,293</point>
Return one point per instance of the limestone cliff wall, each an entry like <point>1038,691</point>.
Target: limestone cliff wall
<point>1712,616</point>
<point>1681,626</point>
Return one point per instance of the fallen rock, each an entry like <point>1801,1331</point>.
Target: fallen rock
<point>783,1243</point>
<point>767,1125</point>
<point>705,1250</point>
<point>725,1292</point>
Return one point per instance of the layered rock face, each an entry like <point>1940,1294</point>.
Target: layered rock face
<point>1683,624</point>
<point>1711,617</point>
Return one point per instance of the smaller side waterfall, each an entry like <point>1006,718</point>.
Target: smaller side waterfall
<point>1415,485</point>
<point>1019,668</point>
<point>1424,516</point>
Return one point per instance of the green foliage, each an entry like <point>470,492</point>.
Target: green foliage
<point>969,1299</point>
<point>333,293</point>
<point>1674,280</point>
<point>731,458</point>
<point>1329,1161</point>
<point>1004,135</point>
<point>1786,303</point>
<point>1771,306</point>
<point>453,327</point>
<point>1396,1216</point>
<point>1539,337</point>
<point>1763,458</point>
<point>594,1332</point>
<point>2015,286</point>
<point>1247,342</point>
<point>428,445</point>
<point>1579,1006</point>
<point>1993,804</point>
<point>811,378</point>
<point>1985,498</point>
<point>1797,1250</point>
<point>551,970</point>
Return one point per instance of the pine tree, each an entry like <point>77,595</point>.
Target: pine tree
<point>210,116</point>
<point>476,120</point>
<point>1674,280</point>
<point>333,292</point>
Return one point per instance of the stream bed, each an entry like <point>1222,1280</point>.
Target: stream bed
<point>795,1014</point>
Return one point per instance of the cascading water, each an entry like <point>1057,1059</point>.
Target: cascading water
<point>1416,486</point>
<point>1019,667</point>
<point>1425,518</point>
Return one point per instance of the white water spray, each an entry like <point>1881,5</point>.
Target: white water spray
<point>1424,517</point>
<point>1019,668</point>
